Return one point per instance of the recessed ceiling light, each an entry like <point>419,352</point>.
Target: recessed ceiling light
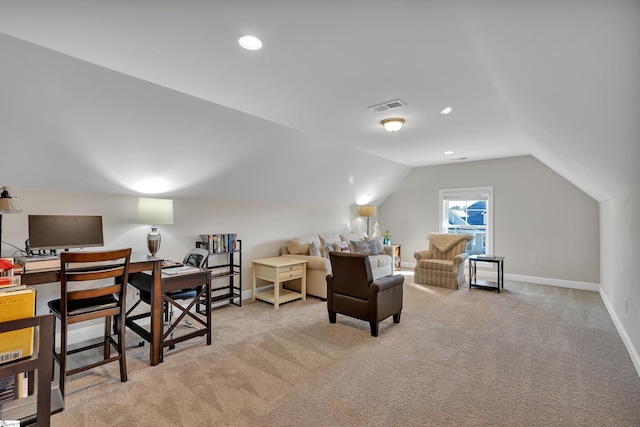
<point>250,42</point>
<point>448,152</point>
<point>446,110</point>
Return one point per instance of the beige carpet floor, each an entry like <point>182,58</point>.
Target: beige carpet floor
<point>531,355</point>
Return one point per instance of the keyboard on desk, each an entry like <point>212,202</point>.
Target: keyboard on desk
<point>171,264</point>
<point>180,270</point>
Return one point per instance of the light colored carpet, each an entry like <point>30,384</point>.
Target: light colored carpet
<point>530,356</point>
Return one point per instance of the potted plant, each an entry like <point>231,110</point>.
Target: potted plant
<point>386,238</point>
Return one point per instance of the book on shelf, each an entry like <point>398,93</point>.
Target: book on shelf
<point>12,387</point>
<point>16,303</point>
<point>7,281</point>
<point>219,243</point>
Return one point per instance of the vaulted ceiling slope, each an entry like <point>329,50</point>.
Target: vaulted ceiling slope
<point>157,96</point>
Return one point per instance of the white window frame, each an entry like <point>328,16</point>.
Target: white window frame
<point>469,193</point>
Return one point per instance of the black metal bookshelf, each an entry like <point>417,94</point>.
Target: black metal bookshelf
<point>226,276</point>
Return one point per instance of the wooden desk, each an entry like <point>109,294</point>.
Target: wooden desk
<point>139,263</point>
<point>169,283</point>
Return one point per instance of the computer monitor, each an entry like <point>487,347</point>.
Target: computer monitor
<point>65,231</point>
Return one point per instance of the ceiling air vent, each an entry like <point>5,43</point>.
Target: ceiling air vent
<point>390,105</point>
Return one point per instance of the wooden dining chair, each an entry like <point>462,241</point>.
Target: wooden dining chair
<point>101,295</point>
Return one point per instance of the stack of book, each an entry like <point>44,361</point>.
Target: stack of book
<point>32,263</point>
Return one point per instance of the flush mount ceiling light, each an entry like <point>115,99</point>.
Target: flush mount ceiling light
<point>393,124</point>
<point>446,110</point>
<point>249,42</point>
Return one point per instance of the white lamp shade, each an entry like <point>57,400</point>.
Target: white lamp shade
<point>154,211</point>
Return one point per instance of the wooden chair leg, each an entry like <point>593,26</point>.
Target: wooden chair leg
<point>53,350</point>
<point>63,355</point>
<point>122,351</point>
<point>107,333</point>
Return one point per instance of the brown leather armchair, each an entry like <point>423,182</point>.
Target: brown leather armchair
<point>352,291</point>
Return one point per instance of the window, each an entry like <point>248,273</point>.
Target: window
<point>469,211</point>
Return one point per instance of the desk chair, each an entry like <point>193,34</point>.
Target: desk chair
<point>196,257</point>
<point>104,298</point>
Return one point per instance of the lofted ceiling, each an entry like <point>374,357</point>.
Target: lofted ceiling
<point>149,96</point>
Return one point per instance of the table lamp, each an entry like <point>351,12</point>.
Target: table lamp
<point>154,212</point>
<point>7,206</point>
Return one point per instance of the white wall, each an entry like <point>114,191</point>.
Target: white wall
<point>263,227</point>
<point>620,253</point>
<point>537,214</point>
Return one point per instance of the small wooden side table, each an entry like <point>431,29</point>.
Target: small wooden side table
<point>279,270</point>
<point>485,284</point>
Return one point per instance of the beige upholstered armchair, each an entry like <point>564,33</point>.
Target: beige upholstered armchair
<point>443,264</point>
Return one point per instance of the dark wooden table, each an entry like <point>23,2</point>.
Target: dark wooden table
<point>168,283</point>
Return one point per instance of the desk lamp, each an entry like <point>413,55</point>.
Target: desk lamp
<point>154,212</point>
<point>7,206</point>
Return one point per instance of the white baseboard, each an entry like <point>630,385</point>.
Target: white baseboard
<point>571,284</point>
<point>491,275</point>
<point>633,352</point>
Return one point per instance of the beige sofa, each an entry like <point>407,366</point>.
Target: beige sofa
<point>315,248</point>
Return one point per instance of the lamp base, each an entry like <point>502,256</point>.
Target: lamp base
<point>153,241</point>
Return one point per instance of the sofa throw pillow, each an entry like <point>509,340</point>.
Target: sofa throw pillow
<point>364,247</point>
<point>341,247</point>
<point>378,242</point>
<point>326,249</point>
<point>314,249</point>
<point>355,236</point>
<point>296,248</point>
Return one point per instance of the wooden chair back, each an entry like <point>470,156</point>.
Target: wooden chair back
<point>94,267</point>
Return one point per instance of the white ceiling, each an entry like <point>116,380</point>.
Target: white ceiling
<point>166,82</point>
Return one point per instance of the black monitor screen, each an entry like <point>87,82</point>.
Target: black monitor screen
<point>65,231</point>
